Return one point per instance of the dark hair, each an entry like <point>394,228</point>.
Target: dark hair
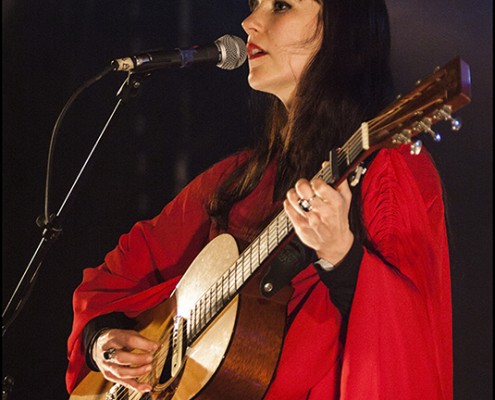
<point>348,81</point>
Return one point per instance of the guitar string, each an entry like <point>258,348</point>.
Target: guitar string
<point>126,392</point>
<point>201,312</point>
<point>353,147</point>
<point>259,252</point>
<point>232,275</point>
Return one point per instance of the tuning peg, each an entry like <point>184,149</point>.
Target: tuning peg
<point>436,136</point>
<point>446,114</point>
<point>416,147</point>
<point>425,126</point>
<point>455,124</point>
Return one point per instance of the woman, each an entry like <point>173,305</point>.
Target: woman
<point>370,314</point>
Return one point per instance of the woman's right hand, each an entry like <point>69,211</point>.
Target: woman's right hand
<point>123,365</point>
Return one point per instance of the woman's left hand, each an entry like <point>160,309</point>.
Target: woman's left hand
<point>325,227</point>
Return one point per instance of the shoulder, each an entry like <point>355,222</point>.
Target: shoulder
<point>204,184</point>
<point>221,169</point>
<point>398,170</point>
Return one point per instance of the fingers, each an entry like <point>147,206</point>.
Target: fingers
<point>302,190</point>
<point>124,357</point>
<point>129,383</point>
<point>322,222</point>
<point>129,356</point>
<point>128,339</point>
<point>317,194</point>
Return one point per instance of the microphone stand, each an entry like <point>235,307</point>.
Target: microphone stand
<point>52,229</point>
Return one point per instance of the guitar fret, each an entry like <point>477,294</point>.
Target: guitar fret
<point>229,282</point>
<point>449,87</point>
<point>189,326</point>
<point>251,260</point>
<point>205,309</point>
<point>232,288</point>
<point>205,306</point>
<point>216,295</point>
<point>223,289</point>
<point>234,280</point>
<point>256,251</point>
<point>261,248</point>
<point>209,297</point>
<point>277,231</point>
<point>201,311</point>
<point>239,273</point>
<point>220,299</point>
<point>195,318</point>
<point>215,304</point>
<point>243,268</point>
<point>238,277</point>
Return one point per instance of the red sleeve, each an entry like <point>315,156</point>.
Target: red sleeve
<point>147,264</point>
<point>399,342</point>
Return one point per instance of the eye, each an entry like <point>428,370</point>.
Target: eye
<point>281,6</point>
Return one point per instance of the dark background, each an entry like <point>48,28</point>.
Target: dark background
<point>181,122</point>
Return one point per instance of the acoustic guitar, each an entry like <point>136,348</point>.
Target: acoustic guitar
<point>221,334</point>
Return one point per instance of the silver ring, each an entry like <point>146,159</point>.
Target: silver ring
<point>305,204</point>
<point>109,354</point>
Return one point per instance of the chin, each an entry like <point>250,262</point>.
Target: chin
<point>259,85</point>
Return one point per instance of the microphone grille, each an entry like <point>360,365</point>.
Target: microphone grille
<point>233,51</point>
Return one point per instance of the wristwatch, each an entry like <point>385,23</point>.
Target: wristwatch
<point>325,265</point>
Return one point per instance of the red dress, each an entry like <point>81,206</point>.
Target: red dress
<point>399,340</point>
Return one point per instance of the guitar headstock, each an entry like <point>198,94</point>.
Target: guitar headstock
<point>434,99</point>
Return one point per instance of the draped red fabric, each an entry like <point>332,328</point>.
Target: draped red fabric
<point>399,340</point>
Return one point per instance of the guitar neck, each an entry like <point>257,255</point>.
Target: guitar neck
<point>263,246</point>
<point>227,287</point>
<point>434,99</point>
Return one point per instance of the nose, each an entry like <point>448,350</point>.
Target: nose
<point>251,23</point>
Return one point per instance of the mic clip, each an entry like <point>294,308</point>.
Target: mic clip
<point>51,228</point>
<point>131,85</point>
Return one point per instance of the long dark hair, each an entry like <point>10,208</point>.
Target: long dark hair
<point>348,81</point>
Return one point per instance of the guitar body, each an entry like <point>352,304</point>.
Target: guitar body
<point>233,336</point>
<point>233,358</point>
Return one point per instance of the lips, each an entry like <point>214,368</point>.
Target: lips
<point>254,51</point>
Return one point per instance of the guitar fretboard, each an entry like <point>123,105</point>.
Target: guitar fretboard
<point>218,296</point>
<point>433,100</point>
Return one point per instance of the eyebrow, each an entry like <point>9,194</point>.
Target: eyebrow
<point>253,4</point>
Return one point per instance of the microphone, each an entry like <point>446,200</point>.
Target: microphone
<point>227,52</point>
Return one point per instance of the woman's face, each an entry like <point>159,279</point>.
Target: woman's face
<point>282,37</point>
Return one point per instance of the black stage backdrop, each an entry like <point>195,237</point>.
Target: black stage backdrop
<point>180,123</point>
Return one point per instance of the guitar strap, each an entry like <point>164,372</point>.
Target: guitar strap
<point>292,315</point>
<point>292,259</point>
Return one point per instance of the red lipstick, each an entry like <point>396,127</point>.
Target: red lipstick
<point>254,51</point>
